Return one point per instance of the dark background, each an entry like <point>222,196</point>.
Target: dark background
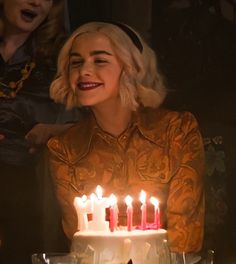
<point>195,42</point>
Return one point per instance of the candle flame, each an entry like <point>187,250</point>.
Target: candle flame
<point>128,200</point>
<point>93,197</point>
<point>142,197</point>
<point>80,201</point>
<point>99,192</point>
<point>154,201</point>
<point>84,198</point>
<point>76,201</point>
<point>112,199</point>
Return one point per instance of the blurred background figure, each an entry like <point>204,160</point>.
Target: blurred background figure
<point>31,33</point>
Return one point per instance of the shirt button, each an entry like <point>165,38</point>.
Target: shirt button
<point>118,166</point>
<point>162,176</point>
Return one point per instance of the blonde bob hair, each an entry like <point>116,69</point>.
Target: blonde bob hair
<point>140,82</point>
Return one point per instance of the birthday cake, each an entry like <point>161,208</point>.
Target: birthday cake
<point>119,247</point>
<point>104,242</point>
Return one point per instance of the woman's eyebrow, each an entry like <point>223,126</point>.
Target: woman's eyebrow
<point>97,52</point>
<point>92,53</point>
<point>75,54</point>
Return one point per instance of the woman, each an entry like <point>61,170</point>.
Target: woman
<point>126,142</point>
<point>31,32</point>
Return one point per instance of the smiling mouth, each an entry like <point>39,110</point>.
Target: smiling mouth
<point>85,86</point>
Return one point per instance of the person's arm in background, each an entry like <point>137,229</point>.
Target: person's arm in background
<point>42,132</point>
<point>185,205</point>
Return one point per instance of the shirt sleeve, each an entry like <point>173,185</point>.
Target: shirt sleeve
<point>185,205</point>
<point>63,177</point>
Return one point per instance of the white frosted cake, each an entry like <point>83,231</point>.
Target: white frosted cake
<point>120,246</point>
<point>104,242</point>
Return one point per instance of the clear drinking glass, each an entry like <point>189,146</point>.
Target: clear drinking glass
<point>164,253</point>
<point>210,256</point>
<point>54,258</point>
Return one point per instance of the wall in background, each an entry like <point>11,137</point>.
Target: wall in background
<point>136,13</point>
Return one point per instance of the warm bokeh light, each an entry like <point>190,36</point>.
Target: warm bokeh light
<point>112,199</point>
<point>154,201</point>
<point>142,197</point>
<point>128,200</point>
<point>99,192</point>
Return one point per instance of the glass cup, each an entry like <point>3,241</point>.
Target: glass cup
<point>54,258</point>
<point>164,253</point>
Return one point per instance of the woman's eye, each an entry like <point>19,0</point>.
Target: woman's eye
<point>100,61</point>
<point>75,63</point>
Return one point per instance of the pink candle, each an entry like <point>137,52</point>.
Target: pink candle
<point>113,212</point>
<point>143,210</point>
<point>129,212</point>
<point>157,222</point>
<point>112,220</point>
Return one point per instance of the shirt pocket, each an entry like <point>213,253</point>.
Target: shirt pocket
<point>92,171</point>
<point>153,164</point>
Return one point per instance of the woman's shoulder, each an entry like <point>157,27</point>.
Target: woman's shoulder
<point>158,124</point>
<point>72,143</point>
<point>165,115</point>
<point>69,136</point>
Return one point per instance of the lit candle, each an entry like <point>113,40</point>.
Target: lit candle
<point>155,202</point>
<point>113,212</point>
<point>142,199</point>
<point>129,212</point>
<point>99,205</point>
<point>83,207</point>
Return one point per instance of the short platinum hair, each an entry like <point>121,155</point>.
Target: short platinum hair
<point>140,81</point>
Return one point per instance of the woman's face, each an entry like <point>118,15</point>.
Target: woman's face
<point>94,70</point>
<point>25,15</point>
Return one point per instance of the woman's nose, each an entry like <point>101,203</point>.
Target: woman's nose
<point>86,69</point>
<point>35,2</point>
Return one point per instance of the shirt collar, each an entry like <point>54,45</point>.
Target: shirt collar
<point>22,54</point>
<point>151,123</point>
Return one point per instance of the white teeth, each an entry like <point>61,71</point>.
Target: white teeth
<point>88,85</point>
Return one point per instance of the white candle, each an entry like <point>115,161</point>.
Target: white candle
<point>155,202</point>
<point>129,212</point>
<point>82,207</point>
<point>142,199</point>
<point>99,205</point>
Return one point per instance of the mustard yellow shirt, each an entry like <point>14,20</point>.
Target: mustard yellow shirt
<point>161,153</point>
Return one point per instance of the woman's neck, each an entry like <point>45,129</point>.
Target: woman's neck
<point>114,120</point>
<point>11,42</point>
